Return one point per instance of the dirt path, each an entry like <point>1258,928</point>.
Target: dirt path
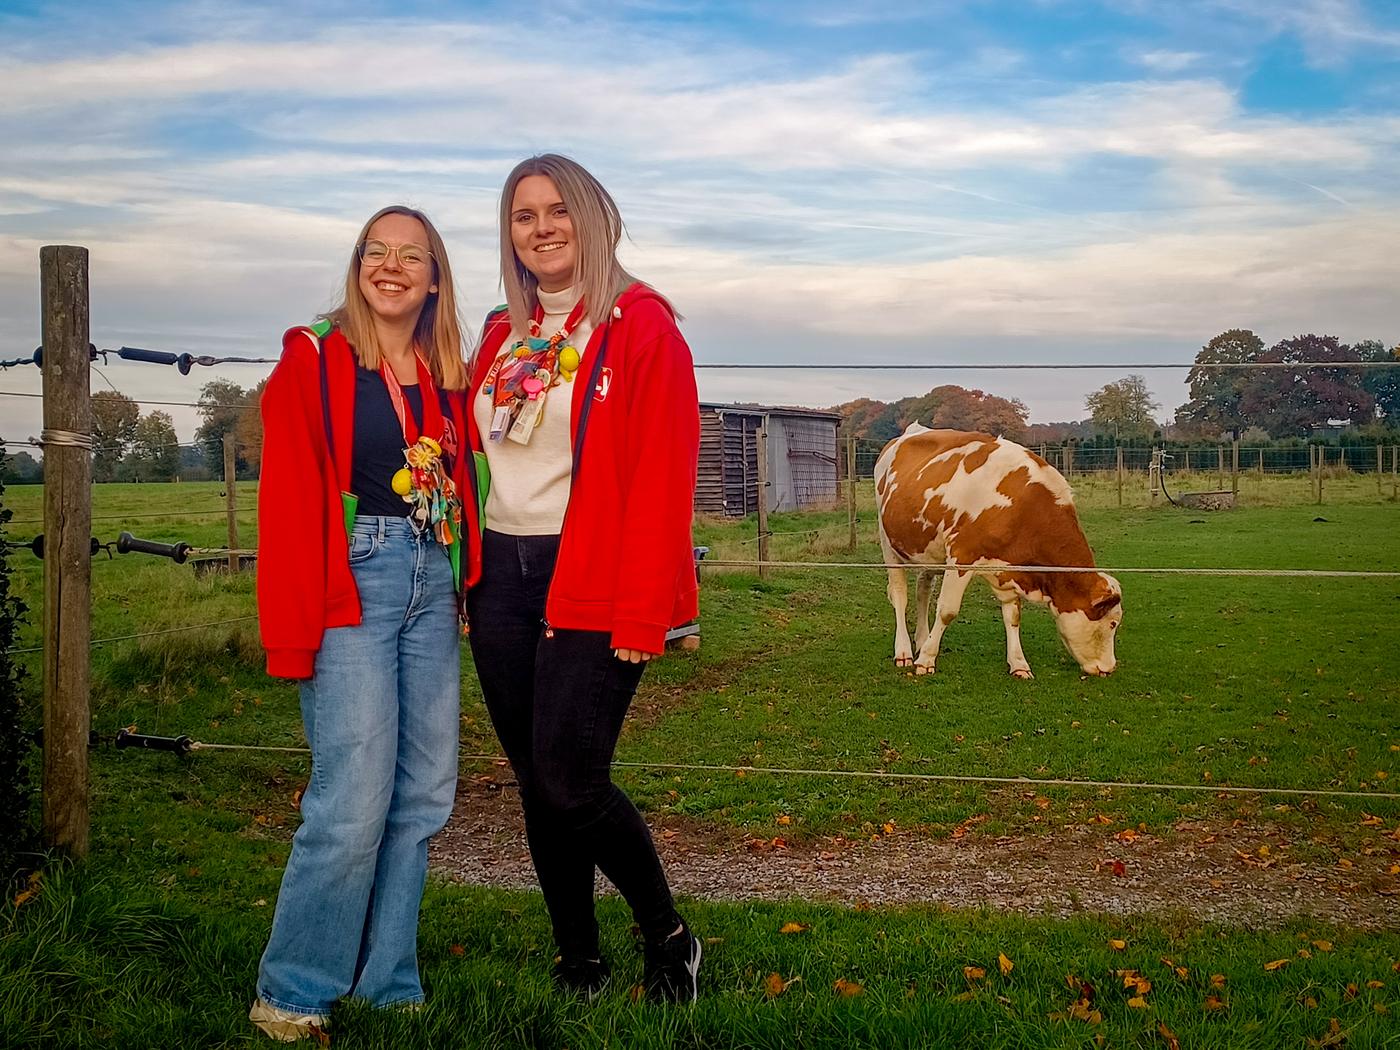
<point>1230,874</point>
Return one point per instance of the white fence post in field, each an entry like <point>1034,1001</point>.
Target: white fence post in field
<point>67,441</point>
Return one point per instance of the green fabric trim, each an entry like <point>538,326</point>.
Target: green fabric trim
<point>321,328</point>
<point>483,486</point>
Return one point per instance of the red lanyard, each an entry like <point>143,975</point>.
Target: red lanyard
<point>575,316</point>
<point>432,410</point>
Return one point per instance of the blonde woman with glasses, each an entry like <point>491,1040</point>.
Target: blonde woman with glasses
<point>582,408</point>
<point>364,504</point>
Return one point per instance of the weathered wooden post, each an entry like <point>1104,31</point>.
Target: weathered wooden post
<point>1069,460</point>
<point>763,503</point>
<point>67,441</point>
<point>1395,471</point>
<point>851,487</point>
<point>1235,468</point>
<point>231,500</point>
<point>1120,475</point>
<point>1380,470</point>
<point>1220,468</point>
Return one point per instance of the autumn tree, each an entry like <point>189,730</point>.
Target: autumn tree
<point>1288,402</point>
<point>221,405</point>
<point>1124,408</point>
<point>155,450</point>
<point>114,417</point>
<point>249,431</point>
<point>958,408</point>
<point>1216,392</point>
<point>1383,384</point>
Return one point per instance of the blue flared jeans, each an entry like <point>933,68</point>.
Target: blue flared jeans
<point>381,714</point>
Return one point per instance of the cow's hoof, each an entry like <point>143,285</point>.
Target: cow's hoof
<point>1023,673</point>
<point>904,661</point>
<point>920,669</point>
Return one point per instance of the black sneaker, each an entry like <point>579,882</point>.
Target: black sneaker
<point>671,968</point>
<point>585,977</point>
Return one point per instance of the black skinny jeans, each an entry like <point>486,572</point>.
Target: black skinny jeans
<point>557,702</point>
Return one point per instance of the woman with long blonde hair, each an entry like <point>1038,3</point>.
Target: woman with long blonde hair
<point>364,508</point>
<point>583,410</point>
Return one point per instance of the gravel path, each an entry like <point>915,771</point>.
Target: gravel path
<point>1225,873</point>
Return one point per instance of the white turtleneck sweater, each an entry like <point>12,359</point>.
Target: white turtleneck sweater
<point>530,482</point>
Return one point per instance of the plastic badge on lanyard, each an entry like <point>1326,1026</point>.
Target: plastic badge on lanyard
<point>521,378</point>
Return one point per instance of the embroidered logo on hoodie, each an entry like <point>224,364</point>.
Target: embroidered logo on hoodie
<point>600,392</point>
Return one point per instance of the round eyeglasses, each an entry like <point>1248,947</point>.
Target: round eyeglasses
<point>411,256</point>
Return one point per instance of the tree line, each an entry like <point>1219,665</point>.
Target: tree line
<point>1257,405</point>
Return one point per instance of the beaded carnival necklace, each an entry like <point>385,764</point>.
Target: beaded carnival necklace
<point>520,379</point>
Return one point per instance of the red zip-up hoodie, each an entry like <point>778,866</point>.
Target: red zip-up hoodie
<point>625,562</point>
<point>304,580</point>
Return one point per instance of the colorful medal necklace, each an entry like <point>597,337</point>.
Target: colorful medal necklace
<point>423,481</point>
<point>521,378</point>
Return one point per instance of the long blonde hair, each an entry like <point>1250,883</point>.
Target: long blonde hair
<point>597,230</point>
<point>439,330</point>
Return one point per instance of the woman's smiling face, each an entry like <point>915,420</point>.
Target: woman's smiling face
<point>392,288</point>
<point>542,233</point>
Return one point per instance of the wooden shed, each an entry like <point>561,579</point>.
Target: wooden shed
<point>802,449</point>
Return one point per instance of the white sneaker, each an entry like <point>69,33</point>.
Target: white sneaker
<point>287,1027</point>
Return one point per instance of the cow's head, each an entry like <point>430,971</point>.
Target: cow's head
<point>1088,629</point>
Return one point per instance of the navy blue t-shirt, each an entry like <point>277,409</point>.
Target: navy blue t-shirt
<point>377,452</point>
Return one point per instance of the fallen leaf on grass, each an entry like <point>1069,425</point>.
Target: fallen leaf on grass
<point>1349,993</point>
<point>1166,1033</point>
<point>1375,984</point>
<point>774,984</point>
<point>974,973</point>
<point>1322,946</point>
<point>1309,1002</point>
<point>794,927</point>
<point>457,949</point>
<point>847,989</point>
<point>31,889</point>
<point>1137,1002</point>
<point>1370,820</point>
<point>784,820</point>
<point>1117,945</point>
<point>1006,965</point>
<point>1214,1002</point>
<point>1277,964</point>
<point>1334,1037</point>
<point>1303,953</point>
<point>1116,868</point>
<point>1217,980</point>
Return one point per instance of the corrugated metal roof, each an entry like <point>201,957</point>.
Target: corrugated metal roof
<point>771,410</point>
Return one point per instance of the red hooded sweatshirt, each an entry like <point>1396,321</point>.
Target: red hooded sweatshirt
<point>304,580</point>
<point>625,562</point>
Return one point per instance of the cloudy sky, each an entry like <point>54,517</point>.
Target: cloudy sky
<point>1046,180</point>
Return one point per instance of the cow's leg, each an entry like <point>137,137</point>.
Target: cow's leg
<point>898,592</point>
<point>923,595</point>
<point>1011,616</point>
<point>950,596</point>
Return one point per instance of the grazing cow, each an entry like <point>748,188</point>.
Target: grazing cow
<point>948,497</point>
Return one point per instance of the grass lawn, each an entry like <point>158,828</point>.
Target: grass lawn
<point>1224,681</point>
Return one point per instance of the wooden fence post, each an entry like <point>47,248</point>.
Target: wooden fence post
<point>763,502</point>
<point>1380,470</point>
<point>851,486</point>
<point>1235,468</point>
<point>67,440</point>
<point>1395,471</point>
<point>231,500</point>
<point>1069,460</point>
<point>1120,475</point>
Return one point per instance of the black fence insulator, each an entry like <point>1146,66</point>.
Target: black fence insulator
<point>38,358</point>
<point>157,357</point>
<point>36,546</point>
<point>176,552</point>
<point>94,740</point>
<point>181,745</point>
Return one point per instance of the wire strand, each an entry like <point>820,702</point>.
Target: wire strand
<point>998,569</point>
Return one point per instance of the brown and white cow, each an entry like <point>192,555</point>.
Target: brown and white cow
<point>949,497</point>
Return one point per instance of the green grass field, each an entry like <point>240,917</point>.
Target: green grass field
<point>1222,680</point>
